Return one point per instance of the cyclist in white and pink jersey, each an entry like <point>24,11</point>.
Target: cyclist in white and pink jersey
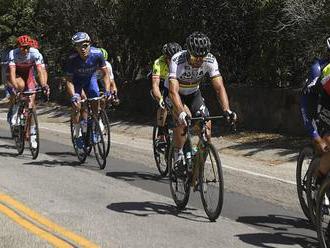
<point>22,62</point>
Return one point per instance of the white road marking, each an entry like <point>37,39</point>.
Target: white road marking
<point>146,149</point>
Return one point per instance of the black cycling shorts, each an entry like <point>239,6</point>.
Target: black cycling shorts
<point>323,122</point>
<point>195,103</point>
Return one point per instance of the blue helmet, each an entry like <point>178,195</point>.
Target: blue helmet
<point>80,37</point>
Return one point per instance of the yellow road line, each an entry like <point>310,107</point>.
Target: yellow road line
<point>34,229</point>
<point>49,224</point>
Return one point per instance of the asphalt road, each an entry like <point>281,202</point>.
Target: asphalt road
<point>129,205</point>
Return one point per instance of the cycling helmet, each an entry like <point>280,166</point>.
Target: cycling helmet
<point>35,44</point>
<point>198,44</point>
<point>24,40</point>
<point>170,49</point>
<point>80,37</point>
<point>105,53</point>
<point>328,43</point>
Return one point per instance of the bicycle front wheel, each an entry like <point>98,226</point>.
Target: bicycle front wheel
<point>33,131</point>
<point>161,150</point>
<point>98,144</point>
<point>80,152</point>
<point>211,182</point>
<point>312,189</point>
<point>179,184</point>
<point>304,159</point>
<point>105,127</point>
<point>322,216</point>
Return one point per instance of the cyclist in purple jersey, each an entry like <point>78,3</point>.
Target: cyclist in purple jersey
<point>81,74</point>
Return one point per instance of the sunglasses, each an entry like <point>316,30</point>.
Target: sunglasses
<point>83,46</point>
<point>25,47</point>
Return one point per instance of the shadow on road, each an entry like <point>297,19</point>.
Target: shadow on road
<point>281,224</point>
<point>53,163</point>
<point>61,154</point>
<point>133,176</point>
<point>145,209</point>
<point>6,137</point>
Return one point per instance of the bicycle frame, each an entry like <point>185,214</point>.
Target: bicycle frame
<point>199,156</point>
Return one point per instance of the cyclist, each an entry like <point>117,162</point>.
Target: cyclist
<point>113,86</point>
<point>187,69</point>
<point>21,74</point>
<point>315,109</point>
<point>159,75</point>
<point>35,44</point>
<point>81,75</point>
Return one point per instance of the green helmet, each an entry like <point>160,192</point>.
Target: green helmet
<point>105,53</point>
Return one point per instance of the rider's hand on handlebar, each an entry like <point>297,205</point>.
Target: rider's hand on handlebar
<point>161,103</point>
<point>230,116</point>
<point>320,145</point>
<point>46,91</point>
<point>75,98</point>
<point>182,119</point>
<point>114,99</point>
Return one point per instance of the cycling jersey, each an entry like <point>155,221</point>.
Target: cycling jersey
<point>160,68</point>
<point>190,77</point>
<point>24,64</point>
<point>83,72</point>
<point>315,97</point>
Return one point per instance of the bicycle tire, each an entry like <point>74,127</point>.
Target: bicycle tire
<point>33,115</point>
<point>81,153</point>
<point>160,155</point>
<point>214,212</point>
<point>311,191</point>
<point>106,132</point>
<point>181,202</point>
<point>19,134</point>
<point>303,162</point>
<point>323,233</point>
<point>99,145</point>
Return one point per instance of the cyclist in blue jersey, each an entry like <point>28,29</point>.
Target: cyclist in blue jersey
<point>312,100</point>
<point>80,71</point>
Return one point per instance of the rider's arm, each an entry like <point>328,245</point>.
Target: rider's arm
<point>113,86</point>
<point>69,86</point>
<point>12,70</point>
<point>42,75</point>
<point>156,80</point>
<point>174,95</point>
<point>217,82</point>
<point>106,78</point>
<point>220,90</point>
<point>39,62</point>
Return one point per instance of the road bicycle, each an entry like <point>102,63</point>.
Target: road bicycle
<point>24,123</point>
<point>92,137</point>
<point>322,214</point>
<point>200,170</point>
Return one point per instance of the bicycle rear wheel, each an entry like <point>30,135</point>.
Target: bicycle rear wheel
<point>33,121</point>
<point>161,150</point>
<point>98,144</point>
<point>303,162</point>
<point>179,185</point>
<point>106,131</point>
<point>322,216</point>
<point>211,182</point>
<point>80,152</point>
<point>18,134</point>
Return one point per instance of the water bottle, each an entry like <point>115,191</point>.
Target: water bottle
<point>22,120</point>
<point>83,124</point>
<point>194,150</point>
<point>188,161</point>
<point>14,119</point>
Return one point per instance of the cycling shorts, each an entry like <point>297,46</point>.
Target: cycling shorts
<point>195,103</point>
<point>90,88</point>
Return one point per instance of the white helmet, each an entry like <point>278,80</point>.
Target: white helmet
<point>80,37</point>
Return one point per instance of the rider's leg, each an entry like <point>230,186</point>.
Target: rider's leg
<point>325,158</point>
<point>198,108</point>
<point>161,120</point>
<point>179,136</point>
